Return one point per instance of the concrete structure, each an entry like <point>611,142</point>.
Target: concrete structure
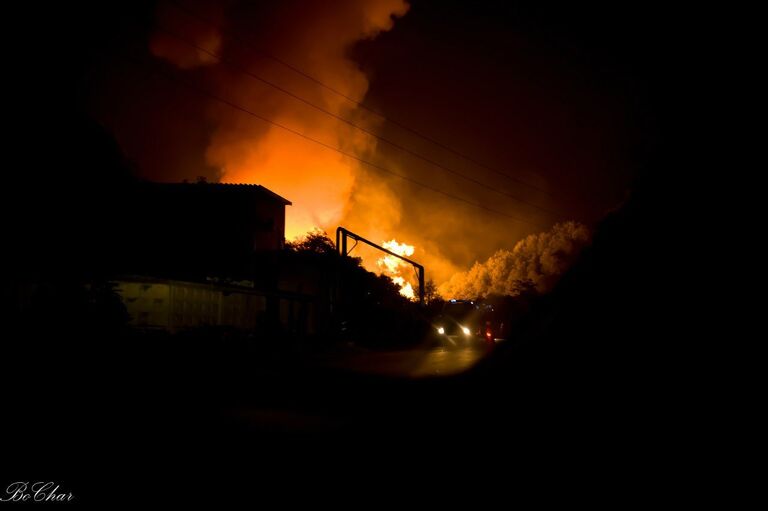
<point>175,305</point>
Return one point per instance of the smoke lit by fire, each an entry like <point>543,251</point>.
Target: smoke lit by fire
<point>327,188</point>
<point>320,182</point>
<point>313,36</point>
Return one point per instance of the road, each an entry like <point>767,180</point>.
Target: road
<point>442,360</point>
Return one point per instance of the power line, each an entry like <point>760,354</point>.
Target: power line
<point>246,42</point>
<point>250,74</point>
<point>373,165</point>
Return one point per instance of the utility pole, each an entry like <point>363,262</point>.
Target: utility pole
<point>341,245</point>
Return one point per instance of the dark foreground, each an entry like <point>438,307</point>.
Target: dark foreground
<point>192,425</point>
<point>601,386</point>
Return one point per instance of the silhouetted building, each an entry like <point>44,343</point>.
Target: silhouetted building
<point>198,229</point>
<point>209,255</point>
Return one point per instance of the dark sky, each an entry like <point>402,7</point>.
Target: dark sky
<point>535,89</point>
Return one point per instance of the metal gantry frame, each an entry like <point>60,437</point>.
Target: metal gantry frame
<point>343,234</point>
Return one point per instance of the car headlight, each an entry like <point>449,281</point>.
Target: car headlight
<point>440,330</point>
<point>465,330</point>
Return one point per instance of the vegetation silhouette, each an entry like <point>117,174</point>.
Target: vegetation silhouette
<point>370,311</point>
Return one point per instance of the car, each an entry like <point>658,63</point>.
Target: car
<point>466,320</point>
<point>459,320</point>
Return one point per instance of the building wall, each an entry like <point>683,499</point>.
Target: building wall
<point>147,303</point>
<point>175,306</point>
<point>267,226</point>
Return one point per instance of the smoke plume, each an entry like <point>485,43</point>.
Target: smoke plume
<point>326,188</point>
<point>536,260</point>
<point>314,36</point>
<point>206,36</point>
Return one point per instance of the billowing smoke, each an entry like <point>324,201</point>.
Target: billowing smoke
<point>205,38</point>
<point>314,36</point>
<point>537,260</point>
<point>327,188</point>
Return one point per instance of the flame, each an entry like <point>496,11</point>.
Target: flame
<point>391,265</point>
<point>406,289</point>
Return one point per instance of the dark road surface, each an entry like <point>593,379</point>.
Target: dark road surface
<point>447,358</point>
<point>348,388</point>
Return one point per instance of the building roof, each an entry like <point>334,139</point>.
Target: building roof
<point>241,187</point>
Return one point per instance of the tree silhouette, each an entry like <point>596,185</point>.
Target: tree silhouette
<point>430,292</point>
<point>316,242</point>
